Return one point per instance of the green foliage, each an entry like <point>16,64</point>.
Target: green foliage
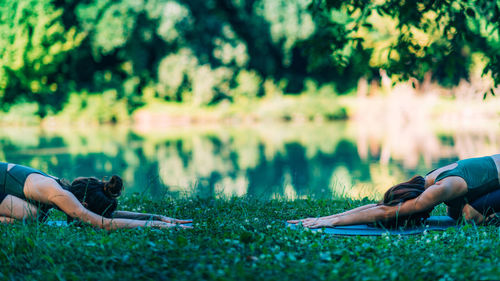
<point>92,108</point>
<point>204,52</point>
<point>21,114</point>
<point>290,23</point>
<point>34,44</point>
<point>248,85</point>
<point>243,239</point>
<point>173,71</point>
<point>411,38</point>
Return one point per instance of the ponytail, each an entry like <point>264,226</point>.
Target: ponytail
<point>113,188</point>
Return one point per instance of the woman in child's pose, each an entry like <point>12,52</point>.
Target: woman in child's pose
<point>27,194</point>
<point>470,188</point>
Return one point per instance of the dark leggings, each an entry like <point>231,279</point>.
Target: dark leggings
<point>487,204</point>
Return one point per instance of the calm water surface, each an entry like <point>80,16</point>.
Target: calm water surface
<point>266,161</point>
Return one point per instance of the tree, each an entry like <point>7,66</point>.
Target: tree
<point>410,38</point>
<point>33,45</point>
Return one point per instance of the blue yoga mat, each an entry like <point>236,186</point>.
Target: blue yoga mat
<point>56,223</point>
<point>431,224</point>
<point>64,223</point>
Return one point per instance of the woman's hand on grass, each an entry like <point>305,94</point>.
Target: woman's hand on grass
<point>314,222</point>
<point>319,223</point>
<point>307,220</point>
<point>163,224</point>
<point>174,221</point>
<point>301,220</point>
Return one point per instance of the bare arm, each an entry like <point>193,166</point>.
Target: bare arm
<point>68,203</point>
<point>134,215</point>
<point>355,210</point>
<point>146,216</point>
<point>431,197</point>
<point>47,190</point>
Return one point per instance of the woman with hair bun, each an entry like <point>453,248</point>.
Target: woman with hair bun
<point>28,194</point>
<point>470,188</point>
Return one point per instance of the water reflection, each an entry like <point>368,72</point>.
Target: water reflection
<point>354,159</point>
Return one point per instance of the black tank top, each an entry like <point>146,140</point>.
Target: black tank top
<point>480,175</point>
<point>12,183</point>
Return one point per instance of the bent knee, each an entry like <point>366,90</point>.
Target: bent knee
<point>17,208</point>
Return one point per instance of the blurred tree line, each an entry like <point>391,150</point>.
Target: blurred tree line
<point>119,55</point>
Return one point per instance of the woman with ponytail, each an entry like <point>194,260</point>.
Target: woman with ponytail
<point>470,188</point>
<point>28,194</point>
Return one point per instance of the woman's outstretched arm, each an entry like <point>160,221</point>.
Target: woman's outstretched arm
<point>48,191</point>
<point>355,210</point>
<point>432,196</point>
<point>146,216</point>
<point>68,203</point>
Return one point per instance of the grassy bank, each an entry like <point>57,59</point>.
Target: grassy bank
<point>243,239</point>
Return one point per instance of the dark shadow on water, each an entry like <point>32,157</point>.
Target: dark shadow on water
<point>267,177</point>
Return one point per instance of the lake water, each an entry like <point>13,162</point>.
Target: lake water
<point>265,160</point>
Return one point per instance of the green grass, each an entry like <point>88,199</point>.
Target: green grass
<point>243,239</point>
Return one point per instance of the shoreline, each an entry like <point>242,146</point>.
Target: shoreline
<point>402,105</point>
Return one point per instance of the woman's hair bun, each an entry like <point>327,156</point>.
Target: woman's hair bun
<point>113,188</point>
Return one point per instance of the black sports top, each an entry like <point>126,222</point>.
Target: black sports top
<point>12,183</point>
<point>480,175</point>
